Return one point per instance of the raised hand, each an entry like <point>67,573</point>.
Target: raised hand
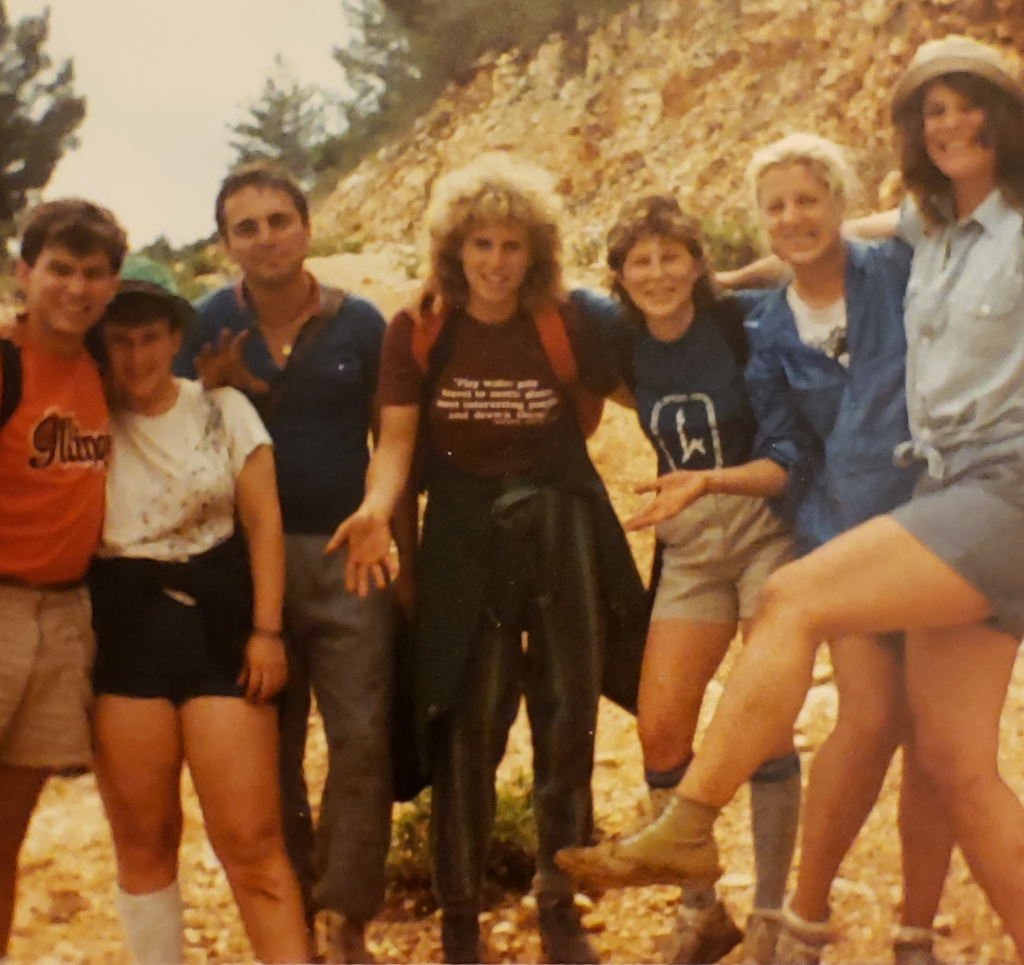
<point>220,363</point>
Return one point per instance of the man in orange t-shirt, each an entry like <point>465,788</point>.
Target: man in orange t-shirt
<point>54,444</point>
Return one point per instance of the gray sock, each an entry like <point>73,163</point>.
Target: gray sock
<point>152,925</point>
<point>774,818</point>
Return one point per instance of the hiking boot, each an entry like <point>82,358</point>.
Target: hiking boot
<point>801,942</point>
<point>658,798</point>
<point>562,937</point>
<point>914,946</point>
<point>343,939</point>
<point>677,849</point>
<point>702,935</point>
<point>460,939</point>
<point>761,934</point>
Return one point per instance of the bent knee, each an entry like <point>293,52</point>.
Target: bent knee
<point>786,601</point>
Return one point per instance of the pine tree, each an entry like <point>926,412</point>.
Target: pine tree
<point>290,122</point>
<point>39,112</point>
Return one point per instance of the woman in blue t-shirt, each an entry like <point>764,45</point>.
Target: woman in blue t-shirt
<point>685,369</point>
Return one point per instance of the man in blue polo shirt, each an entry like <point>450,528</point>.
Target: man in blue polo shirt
<point>308,356</point>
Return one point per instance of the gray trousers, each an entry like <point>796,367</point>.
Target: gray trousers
<point>541,579</point>
<point>340,645</point>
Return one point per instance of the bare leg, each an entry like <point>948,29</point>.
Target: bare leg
<point>873,579</point>
<point>680,658</point>
<point>957,681</point>
<point>231,749</point>
<point>926,840</point>
<point>19,790</point>
<point>850,766</point>
<point>143,803</point>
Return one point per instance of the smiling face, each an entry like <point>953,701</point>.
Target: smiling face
<point>139,361</point>
<point>800,214</point>
<point>264,233</point>
<point>954,137</point>
<point>658,273</point>
<point>495,257</point>
<point>65,294</point>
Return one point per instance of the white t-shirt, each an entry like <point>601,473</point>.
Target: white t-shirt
<point>821,328</point>
<point>171,482</point>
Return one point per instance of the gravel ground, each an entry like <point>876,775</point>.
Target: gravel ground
<point>65,913</point>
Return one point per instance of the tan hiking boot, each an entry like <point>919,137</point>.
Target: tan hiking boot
<point>800,941</point>
<point>760,936</point>
<point>702,935</point>
<point>677,849</point>
<point>658,798</point>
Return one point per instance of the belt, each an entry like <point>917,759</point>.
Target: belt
<point>60,586</point>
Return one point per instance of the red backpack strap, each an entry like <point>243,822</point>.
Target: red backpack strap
<point>426,326</point>
<point>555,339</point>
<point>589,405</point>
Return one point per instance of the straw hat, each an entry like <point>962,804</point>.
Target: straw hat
<point>957,54</point>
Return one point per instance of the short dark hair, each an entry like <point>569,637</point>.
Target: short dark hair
<point>80,226</point>
<point>260,174</point>
<point>660,215</point>
<point>1003,132</point>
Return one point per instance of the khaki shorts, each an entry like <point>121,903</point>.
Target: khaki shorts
<point>718,554</point>
<point>46,653</point>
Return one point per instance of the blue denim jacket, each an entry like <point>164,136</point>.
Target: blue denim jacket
<point>833,428</point>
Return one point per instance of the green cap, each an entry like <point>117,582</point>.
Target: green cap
<point>142,276</point>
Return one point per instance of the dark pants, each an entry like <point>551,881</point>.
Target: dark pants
<point>340,645</point>
<point>542,580</point>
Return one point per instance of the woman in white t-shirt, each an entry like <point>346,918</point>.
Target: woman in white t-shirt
<point>187,612</point>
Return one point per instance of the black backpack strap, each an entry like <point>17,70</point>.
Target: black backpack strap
<point>729,314</point>
<point>10,379</point>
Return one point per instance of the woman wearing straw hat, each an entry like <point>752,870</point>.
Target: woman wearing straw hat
<point>946,567</point>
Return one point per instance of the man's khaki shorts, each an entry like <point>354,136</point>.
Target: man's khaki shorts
<point>718,554</point>
<point>46,653</point>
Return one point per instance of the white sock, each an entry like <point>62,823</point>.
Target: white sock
<point>152,925</point>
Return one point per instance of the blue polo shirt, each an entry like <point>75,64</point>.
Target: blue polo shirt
<point>320,428</point>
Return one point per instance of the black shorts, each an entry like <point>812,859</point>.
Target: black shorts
<point>168,655</point>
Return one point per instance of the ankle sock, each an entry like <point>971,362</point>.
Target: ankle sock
<point>152,925</point>
<point>774,818</point>
<point>666,780</point>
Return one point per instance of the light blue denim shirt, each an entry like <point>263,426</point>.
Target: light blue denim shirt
<point>964,317</point>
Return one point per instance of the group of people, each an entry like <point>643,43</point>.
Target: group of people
<point>839,461</point>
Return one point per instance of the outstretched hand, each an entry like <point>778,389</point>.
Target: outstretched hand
<point>673,493</point>
<point>220,363</point>
<point>369,543</point>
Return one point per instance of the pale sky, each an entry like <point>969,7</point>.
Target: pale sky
<point>162,79</point>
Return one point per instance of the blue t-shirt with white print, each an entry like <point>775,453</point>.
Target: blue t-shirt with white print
<point>691,399</point>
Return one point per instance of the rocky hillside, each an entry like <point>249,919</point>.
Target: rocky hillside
<point>670,94</point>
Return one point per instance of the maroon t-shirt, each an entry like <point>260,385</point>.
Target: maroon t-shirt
<point>496,400</point>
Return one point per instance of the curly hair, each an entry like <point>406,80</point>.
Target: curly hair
<point>1003,131</point>
<point>660,215</point>
<point>822,157</point>
<point>495,187</point>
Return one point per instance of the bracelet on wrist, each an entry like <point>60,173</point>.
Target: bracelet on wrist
<point>266,632</point>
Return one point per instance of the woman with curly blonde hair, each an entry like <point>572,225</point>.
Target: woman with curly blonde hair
<point>518,535</point>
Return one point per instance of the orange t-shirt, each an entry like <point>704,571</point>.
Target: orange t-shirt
<point>53,460</point>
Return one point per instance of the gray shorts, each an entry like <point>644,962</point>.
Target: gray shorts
<point>46,653</point>
<point>974,522</point>
<point>718,554</point>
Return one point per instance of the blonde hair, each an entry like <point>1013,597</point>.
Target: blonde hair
<point>822,157</point>
<point>495,187</point>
